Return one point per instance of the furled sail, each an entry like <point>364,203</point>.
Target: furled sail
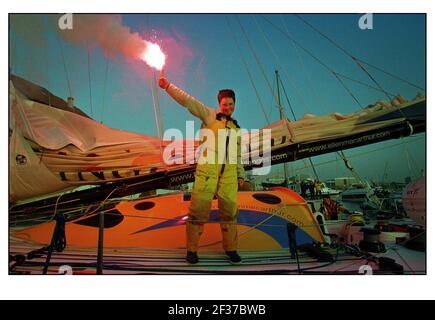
<point>54,147</point>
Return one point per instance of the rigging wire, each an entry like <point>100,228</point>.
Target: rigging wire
<point>348,91</point>
<point>360,62</point>
<point>407,159</point>
<point>13,56</point>
<point>332,71</point>
<point>90,83</point>
<point>290,131</point>
<point>373,79</point>
<point>258,61</point>
<point>159,134</point>
<point>165,168</point>
<point>104,88</point>
<point>287,98</point>
<point>328,68</point>
<point>249,73</point>
<point>281,64</point>
<point>158,103</point>
<point>410,159</point>
<point>362,83</point>
<point>304,68</point>
<point>158,117</point>
<point>355,155</point>
<point>65,67</point>
<point>294,116</point>
<point>47,69</point>
<point>357,60</point>
<point>336,75</point>
<point>390,74</point>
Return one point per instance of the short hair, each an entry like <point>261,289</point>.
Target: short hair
<point>326,196</point>
<point>226,93</point>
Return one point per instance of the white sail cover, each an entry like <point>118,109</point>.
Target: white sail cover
<point>53,149</point>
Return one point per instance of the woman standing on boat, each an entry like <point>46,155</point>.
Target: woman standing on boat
<point>221,176</point>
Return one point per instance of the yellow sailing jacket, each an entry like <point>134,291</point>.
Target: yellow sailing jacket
<point>226,135</point>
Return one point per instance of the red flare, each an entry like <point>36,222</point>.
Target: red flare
<point>153,55</point>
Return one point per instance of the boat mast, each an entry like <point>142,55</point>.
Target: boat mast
<point>281,116</point>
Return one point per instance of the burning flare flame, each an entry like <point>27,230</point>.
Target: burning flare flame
<point>153,55</point>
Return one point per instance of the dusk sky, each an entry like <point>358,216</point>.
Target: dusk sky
<point>203,57</point>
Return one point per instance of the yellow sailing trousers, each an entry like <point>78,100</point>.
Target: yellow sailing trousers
<point>209,181</point>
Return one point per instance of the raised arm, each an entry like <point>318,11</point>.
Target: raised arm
<point>195,107</point>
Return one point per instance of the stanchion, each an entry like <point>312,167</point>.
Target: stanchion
<point>291,232</point>
<point>100,244</point>
<point>58,241</point>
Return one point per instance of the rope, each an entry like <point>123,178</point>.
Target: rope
<point>242,234</point>
<point>55,206</point>
<point>75,200</point>
<point>355,174</point>
<point>102,202</point>
<point>15,222</point>
<point>262,223</point>
<point>249,73</point>
<point>368,257</point>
